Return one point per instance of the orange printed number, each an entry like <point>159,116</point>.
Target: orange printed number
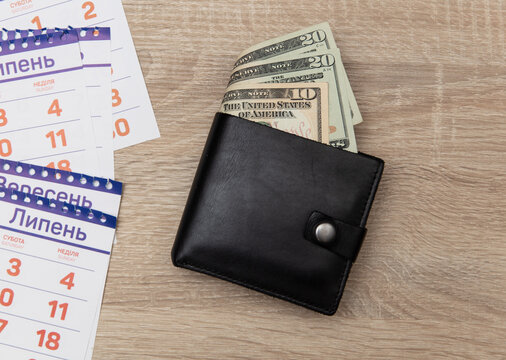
<point>116,99</point>
<point>89,6</point>
<point>3,324</point>
<point>55,108</point>
<point>36,22</point>
<point>62,165</point>
<point>60,133</point>
<point>5,148</point>
<point>122,127</point>
<point>15,270</point>
<point>54,306</point>
<point>3,117</point>
<point>6,297</point>
<point>53,340</point>
<point>68,281</point>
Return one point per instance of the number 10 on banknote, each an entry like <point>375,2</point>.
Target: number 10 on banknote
<point>300,109</point>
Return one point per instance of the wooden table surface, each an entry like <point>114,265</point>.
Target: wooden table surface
<point>430,281</point>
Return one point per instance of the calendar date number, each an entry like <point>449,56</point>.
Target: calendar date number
<point>3,325</point>
<point>15,269</point>
<point>51,341</point>
<point>6,297</point>
<point>68,281</point>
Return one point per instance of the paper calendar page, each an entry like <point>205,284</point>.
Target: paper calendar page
<point>96,58</point>
<point>96,53</point>
<point>53,263</point>
<point>78,189</point>
<point>44,116</point>
<point>133,117</point>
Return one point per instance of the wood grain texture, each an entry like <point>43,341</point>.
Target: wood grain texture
<point>430,282</point>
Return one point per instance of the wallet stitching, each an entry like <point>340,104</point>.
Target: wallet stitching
<point>260,288</point>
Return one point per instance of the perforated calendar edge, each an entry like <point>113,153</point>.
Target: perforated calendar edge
<point>61,177</point>
<point>83,33</point>
<point>23,44</point>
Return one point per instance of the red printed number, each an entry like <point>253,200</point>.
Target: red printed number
<point>60,133</point>
<point>15,270</point>
<point>116,99</point>
<point>53,340</point>
<point>122,128</point>
<point>3,117</point>
<point>89,6</point>
<point>54,306</point>
<point>5,144</point>
<point>3,324</point>
<point>68,281</point>
<point>6,297</point>
<point>55,108</point>
<point>5,147</point>
<point>36,22</point>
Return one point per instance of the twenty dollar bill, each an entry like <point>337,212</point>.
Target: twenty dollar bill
<point>314,38</point>
<point>318,67</point>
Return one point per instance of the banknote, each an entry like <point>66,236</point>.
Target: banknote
<point>308,39</point>
<point>300,109</point>
<point>314,67</point>
<point>315,38</point>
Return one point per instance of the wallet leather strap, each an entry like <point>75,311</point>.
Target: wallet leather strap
<point>346,239</point>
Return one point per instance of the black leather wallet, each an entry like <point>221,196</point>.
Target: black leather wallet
<point>276,212</point>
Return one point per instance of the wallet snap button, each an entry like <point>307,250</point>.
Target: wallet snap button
<point>325,232</point>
